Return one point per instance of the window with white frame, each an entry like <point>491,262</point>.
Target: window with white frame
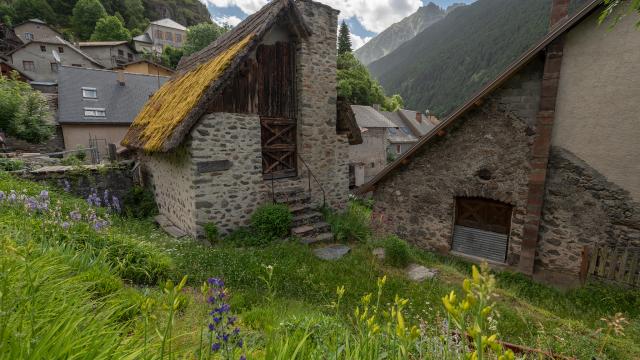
<point>28,36</point>
<point>89,93</point>
<point>94,112</point>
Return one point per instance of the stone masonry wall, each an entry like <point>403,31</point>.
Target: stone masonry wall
<point>171,177</point>
<point>232,188</point>
<point>581,208</point>
<point>325,152</point>
<point>417,201</point>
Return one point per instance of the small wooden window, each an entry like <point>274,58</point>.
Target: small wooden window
<point>43,48</point>
<point>60,49</point>
<point>54,67</point>
<point>28,65</point>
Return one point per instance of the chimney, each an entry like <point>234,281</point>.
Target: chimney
<point>419,117</point>
<point>121,81</point>
<point>559,11</point>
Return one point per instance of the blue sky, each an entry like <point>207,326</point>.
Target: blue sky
<point>366,18</point>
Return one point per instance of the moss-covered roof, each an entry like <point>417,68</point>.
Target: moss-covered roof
<point>175,108</point>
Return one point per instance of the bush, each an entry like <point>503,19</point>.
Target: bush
<point>271,221</point>
<point>351,225</point>
<point>211,232</point>
<point>11,165</point>
<point>139,203</point>
<point>396,252</point>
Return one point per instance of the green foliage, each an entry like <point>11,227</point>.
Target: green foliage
<point>139,203</point>
<point>32,9</point>
<point>613,11</point>
<point>352,224</point>
<point>11,164</point>
<point>110,28</point>
<point>86,14</point>
<point>23,111</point>
<point>171,56</point>
<point>133,12</point>
<point>271,221</point>
<point>396,252</point>
<point>7,14</point>
<point>344,39</point>
<point>211,233</point>
<point>356,85</point>
<point>185,12</point>
<point>201,35</point>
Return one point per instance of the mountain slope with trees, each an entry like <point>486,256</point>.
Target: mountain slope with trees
<point>462,52</point>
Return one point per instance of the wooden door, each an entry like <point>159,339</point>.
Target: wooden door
<point>482,228</point>
<point>278,147</point>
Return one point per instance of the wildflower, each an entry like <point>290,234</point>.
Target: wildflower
<point>215,347</point>
<point>75,215</point>
<point>12,196</point>
<point>1,196</point>
<point>66,185</point>
<point>115,203</point>
<point>65,225</point>
<point>44,195</point>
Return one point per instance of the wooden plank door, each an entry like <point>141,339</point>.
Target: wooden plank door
<point>279,159</point>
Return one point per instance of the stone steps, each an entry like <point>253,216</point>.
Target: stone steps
<point>305,218</point>
<point>308,224</point>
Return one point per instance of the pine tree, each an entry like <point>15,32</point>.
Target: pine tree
<point>344,39</point>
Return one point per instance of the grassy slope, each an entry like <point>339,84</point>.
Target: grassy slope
<point>531,314</point>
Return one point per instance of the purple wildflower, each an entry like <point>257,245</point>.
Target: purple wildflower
<point>242,357</point>
<point>115,203</point>
<point>2,196</point>
<point>75,215</point>
<point>215,347</point>
<point>44,195</point>
<point>13,196</point>
<point>66,225</point>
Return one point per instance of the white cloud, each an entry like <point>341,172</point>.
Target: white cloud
<point>357,41</point>
<point>231,20</point>
<point>374,15</point>
<point>247,6</point>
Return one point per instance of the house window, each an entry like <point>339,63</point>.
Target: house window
<point>43,48</point>
<point>158,34</point>
<point>178,38</point>
<point>28,36</point>
<point>28,66</point>
<point>130,56</point>
<point>398,149</point>
<point>372,165</point>
<point>54,67</point>
<point>89,93</point>
<point>120,53</point>
<point>94,112</point>
<point>60,49</point>
<point>168,36</point>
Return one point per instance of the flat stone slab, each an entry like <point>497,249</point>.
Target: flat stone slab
<point>162,221</point>
<point>332,252</point>
<point>174,231</point>
<point>379,253</point>
<point>419,273</point>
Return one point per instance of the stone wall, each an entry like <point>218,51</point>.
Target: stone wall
<point>371,153</point>
<point>55,144</point>
<point>582,207</point>
<point>228,182</point>
<point>325,152</point>
<point>171,177</point>
<point>417,202</point>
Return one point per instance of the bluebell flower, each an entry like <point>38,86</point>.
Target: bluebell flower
<point>65,225</point>
<point>212,327</point>
<point>242,357</point>
<point>215,347</point>
<point>1,196</point>
<point>75,215</point>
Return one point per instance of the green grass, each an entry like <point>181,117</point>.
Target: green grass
<point>97,269</point>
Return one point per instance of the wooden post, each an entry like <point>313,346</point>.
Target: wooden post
<point>584,264</point>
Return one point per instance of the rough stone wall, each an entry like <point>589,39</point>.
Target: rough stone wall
<point>582,207</point>
<point>417,201</point>
<point>55,144</point>
<point>171,177</point>
<point>229,195</point>
<point>325,152</point>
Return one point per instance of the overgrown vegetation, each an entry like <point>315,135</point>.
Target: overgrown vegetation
<point>271,221</point>
<point>272,302</point>
<point>139,203</point>
<point>352,224</point>
<point>24,112</point>
<point>396,251</point>
<point>11,164</point>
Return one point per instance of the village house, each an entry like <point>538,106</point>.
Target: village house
<point>35,29</point>
<point>110,54</point>
<point>160,34</point>
<point>250,119</point>
<point>538,164</point>
<point>96,107</point>
<point>40,59</point>
<point>144,66</point>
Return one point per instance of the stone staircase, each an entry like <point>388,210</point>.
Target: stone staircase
<point>308,223</point>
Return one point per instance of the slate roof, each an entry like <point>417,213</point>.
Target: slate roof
<point>169,116</point>
<point>145,38</point>
<point>560,29</point>
<point>368,117</point>
<point>121,103</point>
<point>101,43</point>
<point>420,128</point>
<point>169,23</point>
<point>58,41</point>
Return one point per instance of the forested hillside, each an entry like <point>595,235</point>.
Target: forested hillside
<point>445,64</point>
<point>135,13</point>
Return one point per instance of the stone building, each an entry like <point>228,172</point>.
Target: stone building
<point>540,163</point>
<point>251,116</point>
<point>35,29</point>
<point>160,34</point>
<point>110,54</point>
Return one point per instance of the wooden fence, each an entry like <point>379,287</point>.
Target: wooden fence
<point>619,265</point>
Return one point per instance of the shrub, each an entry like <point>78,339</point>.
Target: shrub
<point>11,165</point>
<point>352,224</point>
<point>396,252</point>
<point>139,203</point>
<point>211,232</point>
<point>271,221</point>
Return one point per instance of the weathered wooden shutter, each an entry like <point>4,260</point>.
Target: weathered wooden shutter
<point>482,228</point>
<point>278,147</point>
